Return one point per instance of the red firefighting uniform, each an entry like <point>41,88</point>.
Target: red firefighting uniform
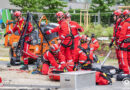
<point>80,56</point>
<point>124,54</point>
<point>117,26</point>
<point>64,32</point>
<point>58,61</point>
<point>26,53</point>
<point>74,26</point>
<point>93,46</point>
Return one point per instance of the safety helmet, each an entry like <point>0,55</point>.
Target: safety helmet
<point>17,13</point>
<point>83,38</point>
<point>54,48</point>
<point>60,15</point>
<point>117,12</point>
<point>126,12</point>
<point>67,15</point>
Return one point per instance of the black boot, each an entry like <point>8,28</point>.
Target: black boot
<point>25,67</point>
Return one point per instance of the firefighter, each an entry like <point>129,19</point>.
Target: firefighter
<point>75,28</point>
<point>64,35</point>
<point>124,43</point>
<point>116,34</point>
<point>53,57</point>
<point>89,47</point>
<point>19,27</point>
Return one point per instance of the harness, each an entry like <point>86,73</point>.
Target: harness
<point>116,31</point>
<point>87,51</point>
<point>54,56</point>
<point>21,28</point>
<point>126,41</point>
<point>72,39</point>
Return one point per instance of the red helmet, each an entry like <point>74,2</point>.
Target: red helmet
<point>126,12</point>
<point>83,37</point>
<point>117,12</point>
<point>60,14</point>
<point>67,15</point>
<point>54,48</point>
<point>17,13</point>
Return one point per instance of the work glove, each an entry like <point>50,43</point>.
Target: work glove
<point>93,35</point>
<point>110,45</point>
<point>5,34</point>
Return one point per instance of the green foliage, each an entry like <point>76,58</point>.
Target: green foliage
<point>53,5</point>
<point>48,6</point>
<point>125,2</point>
<point>106,48</point>
<point>101,5</point>
<point>98,30</point>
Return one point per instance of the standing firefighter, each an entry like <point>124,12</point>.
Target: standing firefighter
<point>75,28</point>
<point>116,34</point>
<point>64,35</point>
<point>124,43</point>
<point>19,26</point>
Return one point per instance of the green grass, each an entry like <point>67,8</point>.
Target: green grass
<point>109,61</point>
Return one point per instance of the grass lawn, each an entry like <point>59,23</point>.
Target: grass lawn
<point>109,61</point>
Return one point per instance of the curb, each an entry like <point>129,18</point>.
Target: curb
<point>4,59</point>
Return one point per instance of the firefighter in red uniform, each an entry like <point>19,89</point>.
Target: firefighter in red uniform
<point>64,35</point>
<point>54,57</point>
<point>124,43</point>
<point>116,34</point>
<point>19,27</point>
<point>89,47</point>
<point>75,28</point>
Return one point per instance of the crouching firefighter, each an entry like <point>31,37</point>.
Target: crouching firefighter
<point>89,48</point>
<point>124,43</point>
<point>53,57</point>
<point>19,26</point>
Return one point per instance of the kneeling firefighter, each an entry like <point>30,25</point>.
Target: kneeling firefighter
<point>53,57</point>
<point>19,26</point>
<point>89,47</point>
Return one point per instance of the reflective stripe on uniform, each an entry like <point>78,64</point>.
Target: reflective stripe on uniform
<point>25,58</point>
<point>128,27</point>
<point>62,36</point>
<point>59,66</point>
<point>47,53</point>
<point>29,54</point>
<point>94,41</point>
<point>76,36</point>
<point>119,26</point>
<point>10,29</point>
<point>73,26</point>
<point>50,31</point>
<point>122,55</point>
<point>81,61</point>
<point>91,48</point>
<point>128,35</point>
<point>70,60</point>
<point>80,51</point>
<point>62,62</point>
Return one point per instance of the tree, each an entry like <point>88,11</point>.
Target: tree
<point>52,6</point>
<point>124,2</point>
<point>101,5</point>
<point>39,5</point>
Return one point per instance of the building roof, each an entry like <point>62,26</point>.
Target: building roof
<point>5,4</point>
